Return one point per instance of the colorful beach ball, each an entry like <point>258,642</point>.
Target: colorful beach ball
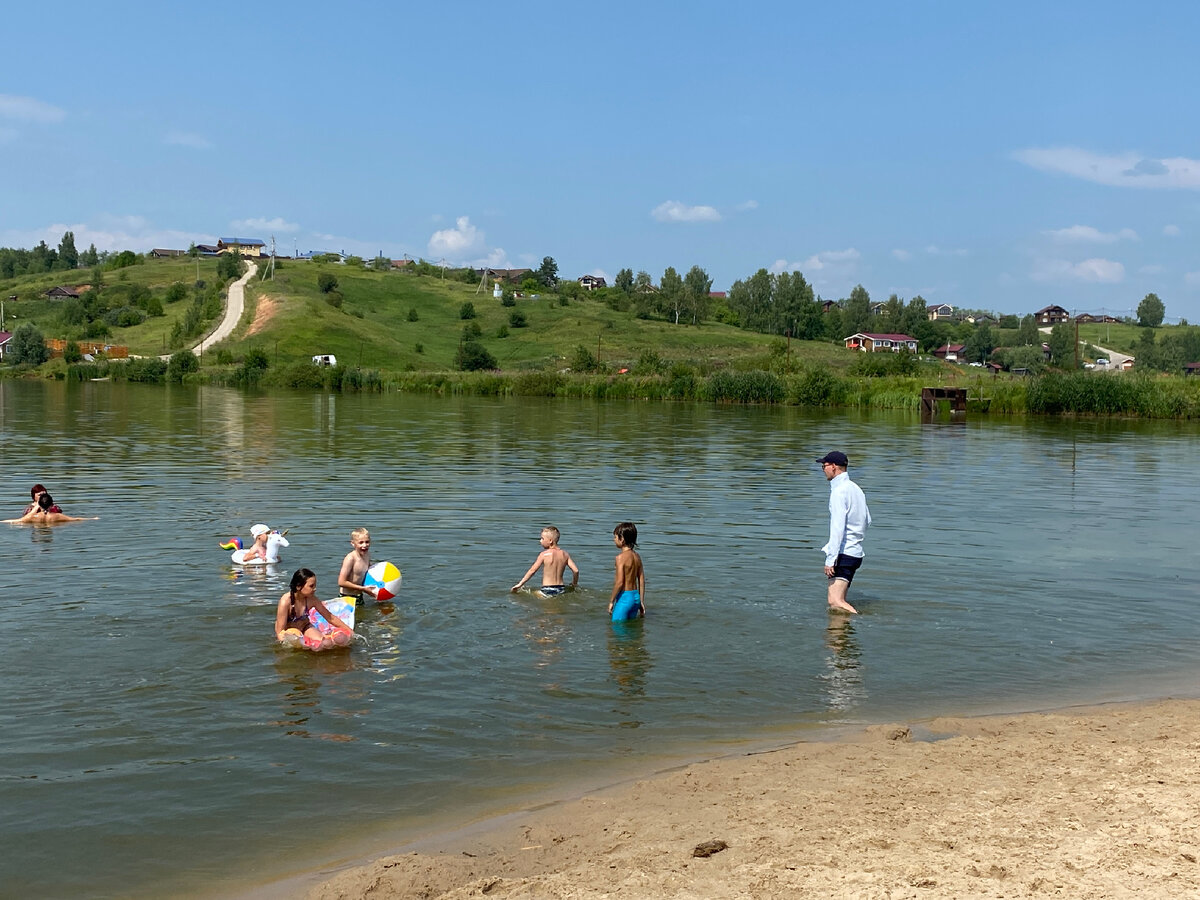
<point>386,577</point>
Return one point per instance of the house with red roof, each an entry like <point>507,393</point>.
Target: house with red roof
<point>875,343</point>
<point>950,352</point>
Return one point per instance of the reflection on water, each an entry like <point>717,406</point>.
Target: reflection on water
<point>152,674</point>
<point>628,657</point>
<point>842,680</point>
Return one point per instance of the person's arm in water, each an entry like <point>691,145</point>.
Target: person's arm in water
<point>574,570</point>
<point>839,509</point>
<point>641,583</point>
<point>537,564</point>
<point>281,615</point>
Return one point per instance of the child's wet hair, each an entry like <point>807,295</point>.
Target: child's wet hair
<point>553,532</point>
<point>627,532</point>
<point>359,533</point>
<point>299,580</point>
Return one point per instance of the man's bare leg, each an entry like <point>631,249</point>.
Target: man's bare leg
<point>837,596</point>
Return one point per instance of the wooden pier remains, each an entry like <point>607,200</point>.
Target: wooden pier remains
<point>931,398</point>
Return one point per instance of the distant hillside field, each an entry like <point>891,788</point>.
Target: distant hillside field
<point>394,321</point>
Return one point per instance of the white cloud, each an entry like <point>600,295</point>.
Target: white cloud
<point>674,211</point>
<point>187,139</point>
<point>1192,279</point>
<point>934,250</point>
<point>461,240</point>
<point>464,244</point>
<point>1151,270</point>
<point>266,226</point>
<point>747,205</point>
<point>27,109</point>
<point>601,274</point>
<point>826,259</point>
<point>1116,170</point>
<point>1172,231</point>
<point>1086,234</point>
<point>902,255</point>
<point>1102,271</point>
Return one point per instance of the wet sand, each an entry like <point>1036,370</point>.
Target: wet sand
<point>1083,803</point>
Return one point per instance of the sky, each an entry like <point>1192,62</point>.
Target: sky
<point>996,156</point>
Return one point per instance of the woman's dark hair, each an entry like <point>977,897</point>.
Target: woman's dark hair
<point>627,532</point>
<point>45,501</point>
<point>299,580</point>
<point>35,490</point>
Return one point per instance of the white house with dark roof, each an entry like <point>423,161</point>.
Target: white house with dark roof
<point>876,343</point>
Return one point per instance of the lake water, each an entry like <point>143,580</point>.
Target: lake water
<point>154,740</point>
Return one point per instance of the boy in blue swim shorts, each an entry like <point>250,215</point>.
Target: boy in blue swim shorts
<point>629,586</point>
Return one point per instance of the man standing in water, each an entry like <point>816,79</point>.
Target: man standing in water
<point>848,521</point>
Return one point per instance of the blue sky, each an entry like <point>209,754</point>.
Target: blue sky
<point>989,155</point>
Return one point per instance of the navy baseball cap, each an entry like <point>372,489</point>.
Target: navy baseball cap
<point>837,457</point>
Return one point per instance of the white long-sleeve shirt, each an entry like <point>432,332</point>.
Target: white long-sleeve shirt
<point>848,519</point>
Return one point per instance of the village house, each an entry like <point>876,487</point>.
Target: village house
<point>875,343</point>
<point>827,305</point>
<point>244,246</point>
<point>937,311</point>
<point>591,282</point>
<point>983,319</point>
<point>1051,315</point>
<point>950,352</point>
<point>1088,318</point>
<point>62,293</point>
<point>1188,368</point>
<point>159,253</point>
<point>5,337</point>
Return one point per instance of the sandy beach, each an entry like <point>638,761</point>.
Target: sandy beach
<point>1082,803</point>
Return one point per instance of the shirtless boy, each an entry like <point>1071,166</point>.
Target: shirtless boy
<point>552,561</point>
<point>629,586</point>
<point>355,565</point>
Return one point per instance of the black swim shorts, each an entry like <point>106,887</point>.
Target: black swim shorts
<point>845,566</point>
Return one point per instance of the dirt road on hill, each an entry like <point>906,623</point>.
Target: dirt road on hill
<point>235,305</point>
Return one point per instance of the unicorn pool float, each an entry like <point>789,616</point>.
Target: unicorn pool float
<point>264,537</point>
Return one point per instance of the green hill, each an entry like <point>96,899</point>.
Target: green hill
<point>396,321</point>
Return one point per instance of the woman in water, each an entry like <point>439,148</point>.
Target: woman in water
<point>294,617</point>
<point>44,511</point>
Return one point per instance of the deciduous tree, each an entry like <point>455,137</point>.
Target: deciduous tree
<point>1150,311</point>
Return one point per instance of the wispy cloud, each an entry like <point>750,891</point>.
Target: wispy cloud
<point>825,260</point>
<point>1171,231</point>
<point>1192,279</point>
<point>674,211</point>
<point>27,109</point>
<point>1116,170</point>
<point>1086,234</point>
<point>187,139</point>
<point>265,226</point>
<point>747,205</point>
<point>902,255</point>
<point>934,250</point>
<point>1096,271</point>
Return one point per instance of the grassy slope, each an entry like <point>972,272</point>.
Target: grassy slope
<point>372,327</point>
<point>145,339</point>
